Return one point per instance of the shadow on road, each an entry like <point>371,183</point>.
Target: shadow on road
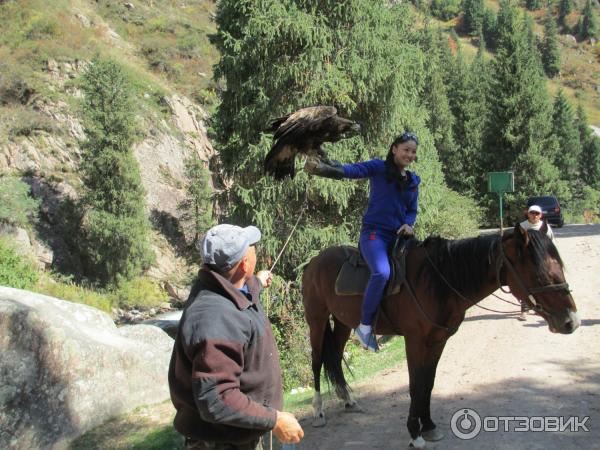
<point>382,425</point>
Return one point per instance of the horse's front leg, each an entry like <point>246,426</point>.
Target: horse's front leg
<point>415,353</point>
<point>429,431</point>
<point>422,364</point>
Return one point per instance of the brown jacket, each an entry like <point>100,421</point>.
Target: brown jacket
<point>224,376</point>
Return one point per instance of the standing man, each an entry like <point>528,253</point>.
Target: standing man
<point>224,376</point>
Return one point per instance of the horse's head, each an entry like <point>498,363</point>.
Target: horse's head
<point>534,273</point>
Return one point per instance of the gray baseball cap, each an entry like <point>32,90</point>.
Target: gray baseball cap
<point>224,245</point>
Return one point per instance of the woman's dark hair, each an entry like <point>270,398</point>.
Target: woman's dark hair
<point>392,173</point>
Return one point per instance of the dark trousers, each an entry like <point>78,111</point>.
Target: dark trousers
<point>204,445</point>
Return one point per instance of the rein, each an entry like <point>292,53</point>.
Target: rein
<point>501,261</point>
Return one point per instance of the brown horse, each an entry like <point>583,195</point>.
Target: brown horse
<point>443,279</point>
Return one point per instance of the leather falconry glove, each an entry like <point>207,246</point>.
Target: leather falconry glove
<point>322,169</point>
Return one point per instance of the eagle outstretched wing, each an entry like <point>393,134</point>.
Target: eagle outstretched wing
<point>304,131</point>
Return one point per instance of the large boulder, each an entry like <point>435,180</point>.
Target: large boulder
<point>66,368</point>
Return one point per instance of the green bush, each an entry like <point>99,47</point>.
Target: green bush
<point>25,121</point>
<point>65,289</point>
<point>140,293</point>
<point>455,217</point>
<point>445,9</point>
<point>15,270</point>
<point>587,199</point>
<point>41,27</point>
<point>16,206</point>
<point>283,304</point>
<point>14,88</point>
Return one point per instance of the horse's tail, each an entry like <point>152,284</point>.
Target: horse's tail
<point>332,361</point>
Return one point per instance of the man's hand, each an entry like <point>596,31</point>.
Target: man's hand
<point>287,429</point>
<point>405,230</point>
<point>265,277</point>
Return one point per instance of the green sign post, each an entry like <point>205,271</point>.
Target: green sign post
<point>501,182</point>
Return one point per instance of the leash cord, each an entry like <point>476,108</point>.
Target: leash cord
<point>291,232</point>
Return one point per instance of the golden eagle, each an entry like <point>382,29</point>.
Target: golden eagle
<point>304,131</point>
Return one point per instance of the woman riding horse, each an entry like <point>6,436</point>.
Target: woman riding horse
<point>391,211</point>
<point>443,279</point>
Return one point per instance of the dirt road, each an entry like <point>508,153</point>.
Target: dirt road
<point>498,367</point>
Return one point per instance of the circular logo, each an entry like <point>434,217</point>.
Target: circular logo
<point>465,423</point>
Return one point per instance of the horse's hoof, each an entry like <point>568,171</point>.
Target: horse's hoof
<point>433,435</point>
<point>319,422</point>
<point>417,443</point>
<point>353,408</point>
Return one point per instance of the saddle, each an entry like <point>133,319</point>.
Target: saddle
<point>354,274</point>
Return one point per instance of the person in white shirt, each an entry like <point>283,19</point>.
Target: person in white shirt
<point>534,222</point>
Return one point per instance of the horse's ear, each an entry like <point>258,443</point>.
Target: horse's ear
<point>521,235</point>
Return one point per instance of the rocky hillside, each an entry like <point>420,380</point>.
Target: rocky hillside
<point>45,46</point>
<point>165,47</point>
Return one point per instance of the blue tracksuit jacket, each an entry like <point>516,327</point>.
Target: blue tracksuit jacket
<point>388,208</point>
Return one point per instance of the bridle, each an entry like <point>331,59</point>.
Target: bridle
<point>501,261</point>
<point>529,292</point>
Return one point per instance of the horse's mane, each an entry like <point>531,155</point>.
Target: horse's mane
<point>464,263</point>
<point>540,246</point>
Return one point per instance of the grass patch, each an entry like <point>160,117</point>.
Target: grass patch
<point>141,293</point>
<point>363,365</point>
<point>15,270</point>
<point>146,428</point>
<point>67,290</point>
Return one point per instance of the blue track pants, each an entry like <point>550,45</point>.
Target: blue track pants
<point>374,248</point>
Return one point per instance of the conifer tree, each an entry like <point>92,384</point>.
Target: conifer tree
<point>115,225</point>
<point>551,48</point>
<point>564,9</point>
<point>440,119</point>
<point>468,100</point>
<point>197,214</point>
<point>473,17</point>
<point>519,104</point>
<point>533,5</point>
<point>587,26</point>
<point>566,133</point>
<point>536,175</point>
<point>490,27</point>
<point>583,126</point>
<point>589,160</point>
<point>278,56</point>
